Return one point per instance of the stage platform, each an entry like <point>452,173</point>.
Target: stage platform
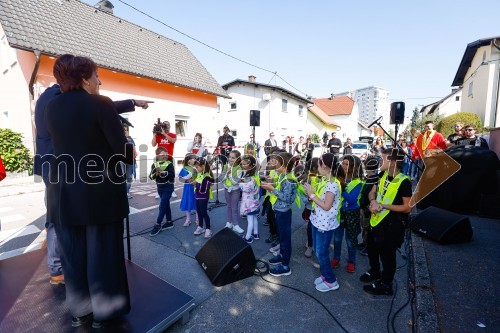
<point>30,304</point>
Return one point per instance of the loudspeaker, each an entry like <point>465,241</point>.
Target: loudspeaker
<point>254,117</point>
<point>226,258</point>
<point>397,113</point>
<point>442,226</point>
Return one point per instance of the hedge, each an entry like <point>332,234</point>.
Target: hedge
<point>446,128</point>
<point>15,156</point>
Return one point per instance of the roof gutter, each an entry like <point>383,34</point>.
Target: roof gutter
<point>32,97</point>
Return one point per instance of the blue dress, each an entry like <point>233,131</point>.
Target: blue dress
<point>188,201</point>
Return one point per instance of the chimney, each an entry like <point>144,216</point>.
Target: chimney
<point>105,6</point>
<point>251,78</point>
<point>331,96</point>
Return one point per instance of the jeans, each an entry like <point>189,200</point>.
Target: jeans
<point>129,173</point>
<point>284,222</point>
<point>338,235</point>
<point>165,192</point>
<point>53,255</point>
<point>232,199</point>
<point>321,243</point>
<point>202,210</point>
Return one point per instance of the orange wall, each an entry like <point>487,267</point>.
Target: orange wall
<point>129,84</point>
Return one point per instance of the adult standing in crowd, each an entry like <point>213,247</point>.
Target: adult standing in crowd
<point>378,146</point>
<point>91,240</point>
<point>334,144</point>
<point>129,168</point>
<point>269,144</point>
<point>471,139</point>
<point>298,147</point>
<point>458,135</point>
<point>429,142</point>
<point>196,147</point>
<point>165,139</point>
<point>45,148</point>
<point>348,147</point>
<point>225,144</point>
<point>310,149</point>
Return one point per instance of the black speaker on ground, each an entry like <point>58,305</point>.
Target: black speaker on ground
<point>397,113</point>
<point>442,226</point>
<point>226,258</point>
<point>254,117</point>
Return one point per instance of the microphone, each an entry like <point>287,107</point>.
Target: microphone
<point>375,121</point>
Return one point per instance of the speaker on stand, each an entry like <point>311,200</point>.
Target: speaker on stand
<point>254,121</point>
<point>397,118</point>
<point>226,258</point>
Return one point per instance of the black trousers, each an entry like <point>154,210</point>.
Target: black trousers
<point>94,270</point>
<point>271,219</point>
<point>382,243</point>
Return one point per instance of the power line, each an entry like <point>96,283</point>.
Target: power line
<point>211,47</point>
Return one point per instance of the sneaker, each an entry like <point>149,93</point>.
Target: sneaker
<point>58,279</point>
<point>335,263</point>
<point>276,260</point>
<point>174,195</point>
<point>96,324</point>
<point>350,267</point>
<point>280,270</point>
<point>238,229</point>
<point>369,277</point>
<point>364,251</point>
<point>276,253</point>
<point>208,233</point>
<point>275,248</point>
<point>326,286</point>
<point>167,225</point>
<point>271,239</point>
<point>187,223</point>
<point>156,230</point>
<point>379,288</point>
<point>199,230</point>
<point>308,252</point>
<point>255,236</point>
<point>79,321</point>
<point>229,225</point>
<point>319,280</point>
<point>248,240</point>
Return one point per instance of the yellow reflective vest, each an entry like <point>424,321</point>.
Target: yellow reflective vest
<point>388,197</point>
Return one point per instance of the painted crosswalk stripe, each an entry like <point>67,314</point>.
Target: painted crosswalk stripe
<point>11,218</point>
<point>5,209</point>
<point>6,235</point>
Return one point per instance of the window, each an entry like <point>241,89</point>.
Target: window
<point>471,86</point>
<point>234,133</point>
<point>232,106</point>
<point>457,98</point>
<point>284,105</point>
<point>181,126</point>
<point>301,110</point>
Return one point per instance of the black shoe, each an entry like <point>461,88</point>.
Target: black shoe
<point>369,277</point>
<point>271,239</point>
<point>167,225</point>
<point>79,321</point>
<point>379,289</point>
<point>96,324</point>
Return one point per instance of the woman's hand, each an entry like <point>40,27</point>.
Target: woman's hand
<point>267,186</point>
<point>308,188</point>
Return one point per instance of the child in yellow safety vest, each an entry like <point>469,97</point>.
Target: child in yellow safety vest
<point>203,192</point>
<point>324,217</point>
<point>282,194</point>
<point>389,205</point>
<point>162,171</point>
<point>188,201</point>
<point>232,174</point>
<point>350,216</point>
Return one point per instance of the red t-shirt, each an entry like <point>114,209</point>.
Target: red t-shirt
<point>437,141</point>
<point>162,141</point>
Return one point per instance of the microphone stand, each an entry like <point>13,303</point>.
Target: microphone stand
<point>217,203</point>
<point>397,145</point>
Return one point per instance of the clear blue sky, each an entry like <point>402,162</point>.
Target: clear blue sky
<point>413,49</point>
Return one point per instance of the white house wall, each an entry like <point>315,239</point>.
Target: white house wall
<point>451,105</point>
<point>15,112</point>
<point>272,118</point>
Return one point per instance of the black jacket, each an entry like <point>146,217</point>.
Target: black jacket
<point>88,136</point>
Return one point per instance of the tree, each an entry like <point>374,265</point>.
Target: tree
<point>414,117</point>
<point>16,157</point>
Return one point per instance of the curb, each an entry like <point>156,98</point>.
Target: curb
<point>426,317</point>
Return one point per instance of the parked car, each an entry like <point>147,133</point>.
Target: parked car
<point>361,149</point>
<point>318,150</point>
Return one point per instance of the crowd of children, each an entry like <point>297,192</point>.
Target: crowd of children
<point>341,199</point>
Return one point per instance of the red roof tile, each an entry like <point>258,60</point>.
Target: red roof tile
<point>341,105</point>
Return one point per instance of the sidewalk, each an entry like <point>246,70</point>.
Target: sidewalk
<point>19,184</point>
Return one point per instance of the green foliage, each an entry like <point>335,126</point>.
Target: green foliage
<point>315,137</point>
<point>467,118</point>
<point>414,117</point>
<point>15,156</point>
